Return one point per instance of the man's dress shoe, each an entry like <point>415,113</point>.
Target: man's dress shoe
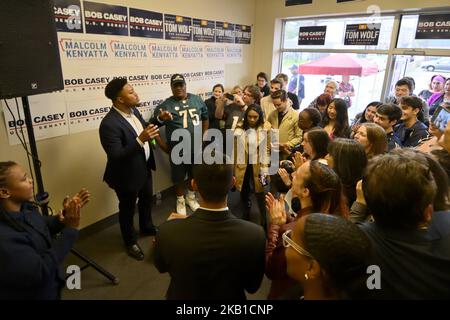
<point>135,251</point>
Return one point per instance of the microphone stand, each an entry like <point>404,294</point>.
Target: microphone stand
<point>40,187</point>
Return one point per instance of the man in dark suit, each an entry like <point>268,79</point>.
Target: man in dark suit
<point>126,137</point>
<point>211,254</point>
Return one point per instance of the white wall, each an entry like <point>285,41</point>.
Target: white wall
<point>270,12</point>
<point>70,162</point>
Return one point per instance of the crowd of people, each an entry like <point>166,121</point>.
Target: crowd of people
<point>344,197</point>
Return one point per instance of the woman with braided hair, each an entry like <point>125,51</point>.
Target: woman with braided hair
<point>328,256</point>
<point>29,257</point>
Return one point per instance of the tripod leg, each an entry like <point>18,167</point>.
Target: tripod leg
<point>111,277</point>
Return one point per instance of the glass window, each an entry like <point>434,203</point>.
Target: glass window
<point>421,69</point>
<point>406,38</point>
<point>336,32</point>
<point>359,76</point>
<point>367,84</point>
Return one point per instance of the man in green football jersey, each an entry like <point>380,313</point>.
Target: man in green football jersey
<point>189,122</point>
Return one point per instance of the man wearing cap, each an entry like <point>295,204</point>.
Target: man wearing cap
<point>297,83</point>
<point>189,113</point>
<point>125,137</point>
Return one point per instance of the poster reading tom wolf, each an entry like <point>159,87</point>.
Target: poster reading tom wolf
<point>203,30</point>
<point>177,27</point>
<point>68,17</point>
<point>243,34</point>
<point>362,34</point>
<point>433,27</point>
<point>224,32</point>
<point>147,24</point>
<point>101,18</point>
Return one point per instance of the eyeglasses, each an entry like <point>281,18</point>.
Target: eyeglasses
<point>288,242</point>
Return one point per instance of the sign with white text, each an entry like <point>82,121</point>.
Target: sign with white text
<point>203,30</point>
<point>435,26</point>
<point>362,34</point>
<point>312,35</point>
<point>146,24</point>
<point>101,18</point>
<point>177,27</point>
<point>68,17</point>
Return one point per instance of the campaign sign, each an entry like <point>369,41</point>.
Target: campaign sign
<point>147,24</point>
<point>203,30</point>
<point>433,27</point>
<point>312,35</point>
<point>105,19</point>
<point>68,16</point>
<point>296,2</point>
<point>243,34</point>
<point>362,34</point>
<point>177,27</point>
<point>224,32</point>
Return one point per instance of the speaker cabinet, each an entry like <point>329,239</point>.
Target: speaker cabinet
<point>29,54</point>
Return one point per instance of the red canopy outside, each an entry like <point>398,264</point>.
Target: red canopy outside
<point>339,64</point>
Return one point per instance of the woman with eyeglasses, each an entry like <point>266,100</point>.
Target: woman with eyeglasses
<point>327,256</point>
<point>318,189</point>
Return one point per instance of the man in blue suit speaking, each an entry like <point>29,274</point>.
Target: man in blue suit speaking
<point>126,138</point>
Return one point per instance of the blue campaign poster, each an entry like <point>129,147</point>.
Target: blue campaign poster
<point>102,18</point>
<point>203,30</point>
<point>243,34</point>
<point>68,16</point>
<point>146,24</point>
<point>224,32</point>
<point>177,27</point>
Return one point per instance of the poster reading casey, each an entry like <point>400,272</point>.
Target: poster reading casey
<point>146,24</point>
<point>312,35</point>
<point>105,19</point>
<point>68,17</point>
<point>433,27</point>
<point>177,27</point>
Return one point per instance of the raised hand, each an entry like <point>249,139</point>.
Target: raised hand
<point>275,207</point>
<point>359,193</point>
<point>238,100</point>
<point>444,141</point>
<point>434,131</point>
<point>150,132</point>
<point>285,177</point>
<point>298,160</point>
<point>285,148</point>
<point>83,196</point>
<point>165,115</point>
<point>71,213</point>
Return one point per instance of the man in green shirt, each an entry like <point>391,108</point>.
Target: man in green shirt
<point>189,122</point>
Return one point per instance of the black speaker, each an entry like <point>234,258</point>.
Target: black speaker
<point>29,55</point>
